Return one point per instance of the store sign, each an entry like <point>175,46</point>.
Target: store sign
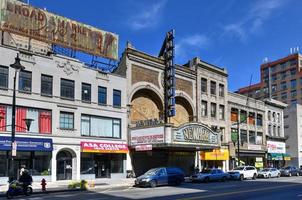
<point>99,147</point>
<point>23,19</point>
<point>216,154</point>
<point>259,164</point>
<point>197,134</point>
<point>275,147</point>
<point>148,122</point>
<point>254,147</point>
<point>146,147</point>
<point>26,144</point>
<point>153,135</point>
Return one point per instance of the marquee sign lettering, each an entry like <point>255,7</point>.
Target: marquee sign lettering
<point>196,134</point>
<point>23,19</point>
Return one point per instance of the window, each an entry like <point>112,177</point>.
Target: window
<point>279,131</point>
<point>203,85</point>
<point>269,115</point>
<point>25,81</point>
<point>67,89</point>
<point>116,98</point>
<point>221,112</point>
<point>259,120</point>
<point>274,117</point>
<point>46,85</point>
<point>283,86</point>
<point>66,120</point>
<point>278,117</point>
<point>259,139</point>
<point>269,129</point>
<point>274,77</point>
<point>213,88</point>
<point>222,134</point>
<point>86,92</point>
<point>293,93</point>
<point>293,62</point>
<point>102,95</point>
<point>117,163</point>
<point>3,77</point>
<point>204,108</point>
<point>284,95</point>
<point>243,116</point>
<point>293,83</point>
<point>274,130</point>
<point>213,110</point>
<point>100,126</point>
<point>252,118</point>
<point>234,114</point>
<point>301,81</point>
<point>221,90</point>
<point>293,101</point>
<point>283,75</point>
<point>293,71</point>
<point>274,88</point>
<point>252,138</point>
<point>243,136</point>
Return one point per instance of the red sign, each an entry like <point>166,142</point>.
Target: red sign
<point>98,147</point>
<point>147,147</point>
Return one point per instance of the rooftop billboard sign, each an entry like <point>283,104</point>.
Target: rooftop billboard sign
<point>23,19</point>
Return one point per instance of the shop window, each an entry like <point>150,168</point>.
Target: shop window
<point>221,112</point>
<point>203,84</point>
<point>67,89</point>
<point>259,120</point>
<point>66,120</point>
<point>86,92</point>
<point>102,95</point>
<point>117,163</point>
<point>234,115</point>
<point>116,98</point>
<point>221,90</point>
<point>243,136</point>
<point>252,118</point>
<point>3,164</point>
<point>46,85</point>
<point>213,110</point>
<point>41,164</point>
<point>204,108</point>
<point>259,139</point>
<point>3,77</point>
<point>243,116</point>
<point>100,126</point>
<point>87,163</point>
<point>25,81</point>
<point>213,87</point>
<point>252,138</point>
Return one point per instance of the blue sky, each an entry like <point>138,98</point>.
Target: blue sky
<point>234,34</point>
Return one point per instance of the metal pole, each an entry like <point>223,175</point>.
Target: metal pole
<point>13,128</point>
<point>238,144</point>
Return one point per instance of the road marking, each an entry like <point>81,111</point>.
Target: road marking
<point>238,192</point>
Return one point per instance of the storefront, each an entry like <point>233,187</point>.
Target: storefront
<point>103,160</point>
<point>217,158</point>
<point>170,147</point>
<point>254,155</point>
<point>275,154</point>
<point>33,154</point>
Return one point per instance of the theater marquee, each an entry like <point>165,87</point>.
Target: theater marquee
<point>23,19</point>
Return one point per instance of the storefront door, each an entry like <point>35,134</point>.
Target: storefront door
<point>102,166</point>
<point>64,166</point>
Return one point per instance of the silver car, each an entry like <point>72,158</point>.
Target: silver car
<point>269,173</point>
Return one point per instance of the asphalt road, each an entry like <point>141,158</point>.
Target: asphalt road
<point>285,188</point>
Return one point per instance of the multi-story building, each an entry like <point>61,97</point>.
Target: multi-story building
<point>293,130</point>
<point>281,78</point>
<point>275,139</point>
<point>247,122</point>
<point>190,135</point>
<point>78,114</point>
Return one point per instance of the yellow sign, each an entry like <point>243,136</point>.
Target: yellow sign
<point>286,158</point>
<point>216,154</point>
<point>23,19</point>
<point>259,164</point>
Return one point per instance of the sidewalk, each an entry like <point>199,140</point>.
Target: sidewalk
<point>62,186</point>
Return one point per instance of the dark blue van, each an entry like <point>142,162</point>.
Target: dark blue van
<point>161,176</point>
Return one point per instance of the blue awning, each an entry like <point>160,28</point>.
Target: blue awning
<point>26,144</point>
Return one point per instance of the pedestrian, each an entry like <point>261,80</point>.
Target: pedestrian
<point>26,180</point>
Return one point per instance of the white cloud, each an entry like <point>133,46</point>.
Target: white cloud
<point>253,21</point>
<point>190,46</point>
<point>147,18</point>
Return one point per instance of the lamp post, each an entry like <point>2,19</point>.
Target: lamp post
<point>17,66</point>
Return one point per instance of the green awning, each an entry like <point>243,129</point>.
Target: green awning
<point>275,156</point>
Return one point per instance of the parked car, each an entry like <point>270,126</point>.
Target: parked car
<point>161,176</point>
<point>210,175</point>
<point>245,172</point>
<point>269,173</point>
<point>290,171</point>
<point>234,175</point>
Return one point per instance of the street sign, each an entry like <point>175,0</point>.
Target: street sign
<point>14,149</point>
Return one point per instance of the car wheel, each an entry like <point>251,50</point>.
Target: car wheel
<point>223,179</point>
<point>241,177</point>
<point>29,191</point>
<point>290,174</point>
<point>255,176</point>
<point>206,179</point>
<point>153,184</point>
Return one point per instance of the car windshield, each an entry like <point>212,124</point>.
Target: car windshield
<point>152,172</point>
<point>239,168</point>
<point>206,171</point>
<point>265,170</point>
